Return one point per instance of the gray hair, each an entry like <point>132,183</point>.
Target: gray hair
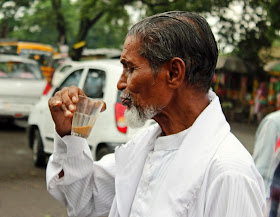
<point>179,34</point>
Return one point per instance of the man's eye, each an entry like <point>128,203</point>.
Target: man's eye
<point>129,69</point>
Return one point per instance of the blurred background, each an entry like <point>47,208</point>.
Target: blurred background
<point>55,32</point>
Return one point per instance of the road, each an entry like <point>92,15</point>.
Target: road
<point>22,186</point>
<point>245,133</point>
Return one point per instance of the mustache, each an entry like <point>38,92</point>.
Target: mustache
<point>126,95</point>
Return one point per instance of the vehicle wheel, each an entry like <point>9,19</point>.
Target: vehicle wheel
<point>101,152</point>
<point>39,156</point>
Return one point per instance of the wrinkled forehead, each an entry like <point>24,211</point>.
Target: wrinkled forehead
<point>131,47</point>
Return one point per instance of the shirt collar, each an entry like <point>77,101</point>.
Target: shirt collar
<point>170,142</point>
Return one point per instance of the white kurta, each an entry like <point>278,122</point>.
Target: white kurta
<point>210,175</point>
<point>155,170</point>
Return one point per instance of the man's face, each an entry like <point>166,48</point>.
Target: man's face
<point>144,93</point>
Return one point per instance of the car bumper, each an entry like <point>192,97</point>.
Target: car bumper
<point>15,110</point>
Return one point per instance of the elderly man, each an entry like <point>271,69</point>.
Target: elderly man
<point>188,164</point>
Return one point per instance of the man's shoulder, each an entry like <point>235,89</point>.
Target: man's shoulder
<point>271,120</point>
<point>232,157</point>
<point>272,116</point>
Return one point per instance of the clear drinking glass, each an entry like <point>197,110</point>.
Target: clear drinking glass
<point>87,111</point>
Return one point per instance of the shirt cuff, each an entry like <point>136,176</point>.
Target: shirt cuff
<point>59,145</point>
<point>69,145</point>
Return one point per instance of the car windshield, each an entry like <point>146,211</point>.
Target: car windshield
<point>20,70</point>
<point>44,58</point>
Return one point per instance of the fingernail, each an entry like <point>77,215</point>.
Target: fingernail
<point>67,113</point>
<point>71,107</point>
<point>74,99</point>
<point>57,102</point>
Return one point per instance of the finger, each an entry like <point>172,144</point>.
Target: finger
<point>104,106</point>
<point>74,93</point>
<point>66,112</point>
<point>66,99</point>
<point>81,92</point>
<point>54,103</point>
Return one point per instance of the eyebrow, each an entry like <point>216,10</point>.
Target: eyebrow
<point>126,62</point>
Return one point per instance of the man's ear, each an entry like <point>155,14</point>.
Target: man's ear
<point>176,72</point>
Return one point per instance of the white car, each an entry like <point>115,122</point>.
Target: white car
<point>22,84</point>
<point>61,72</point>
<point>98,79</point>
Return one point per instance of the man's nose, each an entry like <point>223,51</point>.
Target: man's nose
<point>122,83</point>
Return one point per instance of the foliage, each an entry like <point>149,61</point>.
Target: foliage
<point>9,11</point>
<point>108,33</point>
<point>249,34</point>
<point>191,5</point>
<point>38,23</point>
<point>273,10</point>
<point>104,23</point>
<point>91,12</point>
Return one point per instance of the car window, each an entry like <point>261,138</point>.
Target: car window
<point>72,79</point>
<point>94,84</point>
<point>20,70</point>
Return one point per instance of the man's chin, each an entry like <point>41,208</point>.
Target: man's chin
<point>133,119</point>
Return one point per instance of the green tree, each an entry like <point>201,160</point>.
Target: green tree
<point>259,28</point>
<point>61,24</point>
<point>92,11</point>
<point>107,32</point>
<point>36,24</point>
<point>104,22</point>
<point>39,23</point>
<point>8,15</point>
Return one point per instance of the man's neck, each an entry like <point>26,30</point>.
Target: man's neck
<point>181,113</point>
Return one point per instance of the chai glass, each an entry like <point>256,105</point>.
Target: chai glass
<point>87,111</point>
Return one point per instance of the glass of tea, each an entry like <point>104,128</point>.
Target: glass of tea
<point>87,111</point>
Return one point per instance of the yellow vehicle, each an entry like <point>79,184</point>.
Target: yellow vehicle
<point>42,53</point>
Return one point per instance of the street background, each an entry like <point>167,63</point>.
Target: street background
<point>23,187</point>
<point>246,79</point>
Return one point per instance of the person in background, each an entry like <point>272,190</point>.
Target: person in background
<point>260,101</point>
<point>272,209</point>
<point>266,137</point>
<point>188,163</point>
<point>278,101</point>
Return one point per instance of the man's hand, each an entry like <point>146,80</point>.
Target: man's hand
<point>62,106</point>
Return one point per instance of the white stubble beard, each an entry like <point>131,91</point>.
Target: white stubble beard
<point>135,118</point>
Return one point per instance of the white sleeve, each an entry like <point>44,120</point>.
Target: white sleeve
<point>234,195</point>
<point>265,142</point>
<point>87,188</point>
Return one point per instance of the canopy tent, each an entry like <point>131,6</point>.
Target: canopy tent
<point>273,67</point>
<point>231,64</point>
